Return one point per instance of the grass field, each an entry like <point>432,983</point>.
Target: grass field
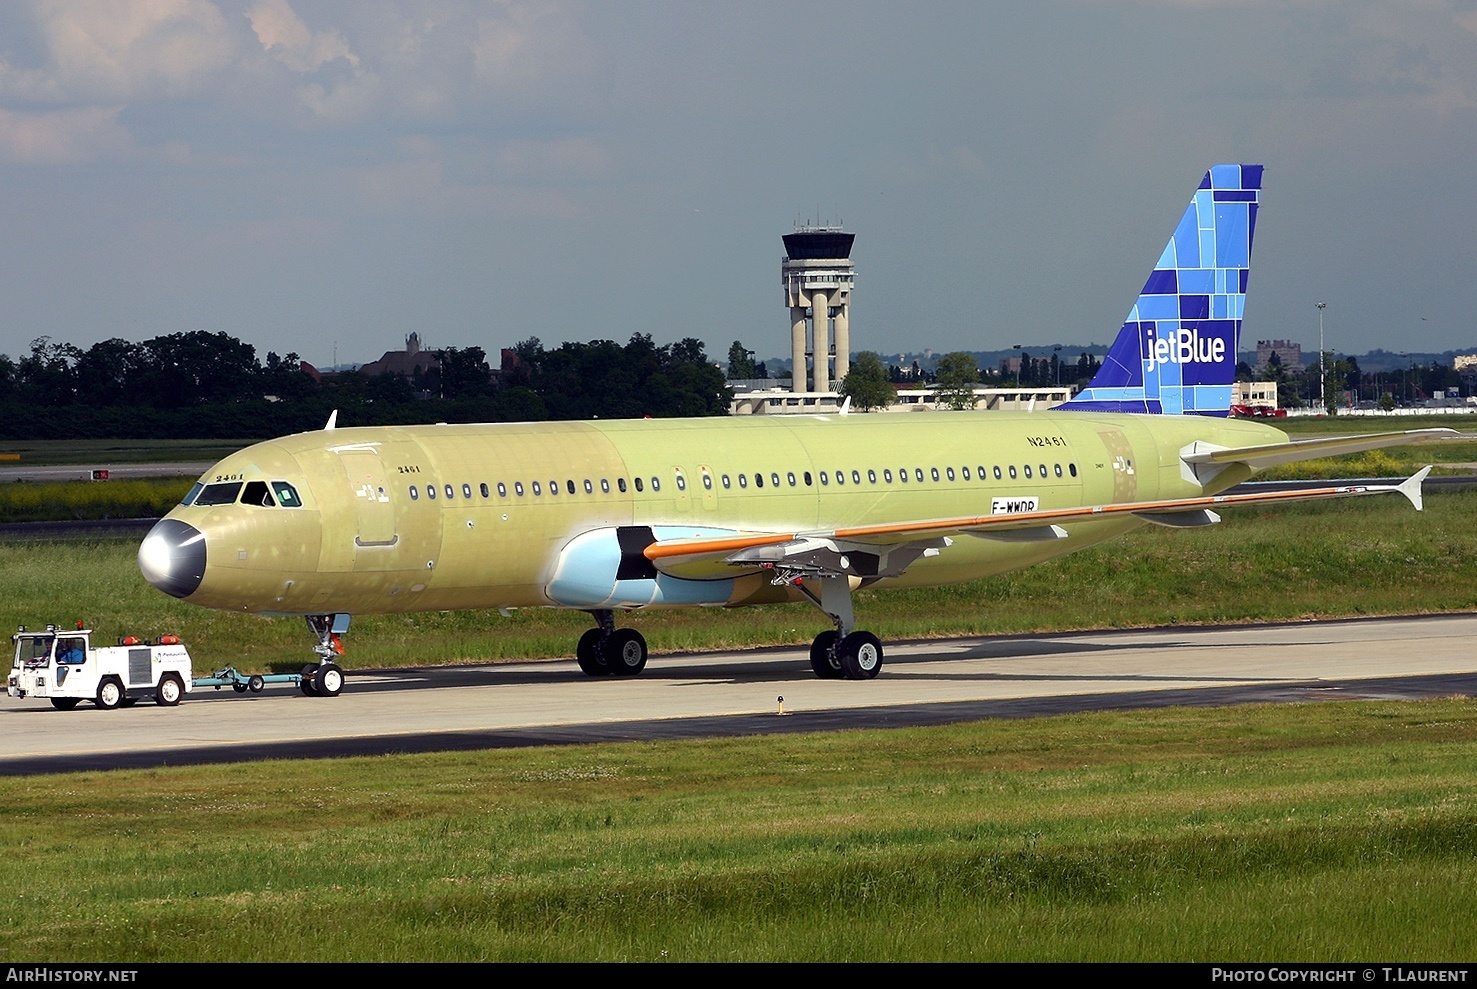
<point>1326,832</point>
<point>1319,832</point>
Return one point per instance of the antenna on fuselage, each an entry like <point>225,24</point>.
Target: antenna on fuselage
<point>332,419</point>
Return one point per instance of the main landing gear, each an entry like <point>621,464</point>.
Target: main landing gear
<point>325,678</point>
<point>609,651</point>
<point>844,652</point>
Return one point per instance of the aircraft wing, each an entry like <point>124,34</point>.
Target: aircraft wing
<point>1257,457</point>
<point>887,549</point>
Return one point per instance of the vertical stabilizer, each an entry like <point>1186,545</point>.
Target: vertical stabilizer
<point>1176,353</point>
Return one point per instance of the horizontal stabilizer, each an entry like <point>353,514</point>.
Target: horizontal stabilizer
<point>1272,454</point>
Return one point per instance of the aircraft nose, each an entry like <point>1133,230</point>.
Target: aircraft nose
<point>172,557</point>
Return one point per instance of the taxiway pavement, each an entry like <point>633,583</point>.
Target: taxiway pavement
<point>730,693</point>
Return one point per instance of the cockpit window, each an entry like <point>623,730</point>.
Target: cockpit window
<point>218,494</point>
<point>256,493</point>
<point>189,498</point>
<point>286,495</point>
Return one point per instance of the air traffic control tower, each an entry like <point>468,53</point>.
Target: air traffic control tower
<point>818,276</point>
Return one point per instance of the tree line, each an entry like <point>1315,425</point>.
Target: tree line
<point>201,384</point>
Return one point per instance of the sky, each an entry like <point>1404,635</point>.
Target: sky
<point>326,176</point>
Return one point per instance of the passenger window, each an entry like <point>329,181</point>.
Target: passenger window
<point>807,479</point>
<point>727,484</point>
<point>758,480</point>
<point>790,476</point>
<point>590,488</point>
<point>949,472</point>
<point>450,491</point>
<point>825,478</point>
<point>934,473</point>
<point>1012,471</point>
<point>605,485</point>
<point>415,493</point>
<point>620,483</point>
<point>965,472</point>
<point>918,474</point>
<point>485,492</point>
<point>743,480</point>
<point>466,491</point>
<point>774,478</point>
<point>518,488</point>
<point>431,491</point>
<point>502,490</point>
<point>638,485</point>
<point>1058,469</point>
<point>1072,469</point>
<point>871,476</point>
<point>1042,468</point>
<point>902,475</point>
<point>887,475</point>
<point>856,477</point>
<point>1027,469</point>
<point>840,477</point>
<point>256,493</point>
<point>656,484</point>
<point>537,489</point>
<point>569,485</point>
<point>707,481</point>
<point>681,483</point>
<point>997,472</point>
<point>553,487</point>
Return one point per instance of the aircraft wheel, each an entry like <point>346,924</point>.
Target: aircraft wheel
<point>64,703</point>
<point>330,680</point>
<point>860,654</point>
<point>256,684</point>
<point>171,689</point>
<point>823,658</point>
<point>240,688</point>
<point>308,684</point>
<point>109,693</point>
<point>589,654</point>
<point>625,652</point>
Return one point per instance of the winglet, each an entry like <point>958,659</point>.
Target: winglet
<point>1411,487</point>
<point>332,419</point>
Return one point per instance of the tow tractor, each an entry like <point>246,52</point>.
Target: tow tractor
<point>64,666</point>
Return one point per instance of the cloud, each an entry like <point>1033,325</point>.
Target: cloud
<point>286,38</point>
<point>61,137</point>
<point>100,51</point>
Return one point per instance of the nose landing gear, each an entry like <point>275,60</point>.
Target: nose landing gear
<point>325,678</point>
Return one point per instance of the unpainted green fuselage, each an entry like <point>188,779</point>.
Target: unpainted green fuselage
<point>369,536</point>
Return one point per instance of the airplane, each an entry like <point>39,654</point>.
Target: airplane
<point>608,516</point>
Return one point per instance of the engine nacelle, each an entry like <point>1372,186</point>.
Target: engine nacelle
<point>605,568</point>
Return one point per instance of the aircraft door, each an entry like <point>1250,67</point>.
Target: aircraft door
<point>682,495</point>
<point>376,513</point>
<point>709,492</point>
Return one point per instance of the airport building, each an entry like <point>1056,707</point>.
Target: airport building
<point>779,401</point>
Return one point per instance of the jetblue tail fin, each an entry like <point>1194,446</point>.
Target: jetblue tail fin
<point>1176,353</point>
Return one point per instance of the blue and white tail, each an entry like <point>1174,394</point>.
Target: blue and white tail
<point>1176,353</point>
